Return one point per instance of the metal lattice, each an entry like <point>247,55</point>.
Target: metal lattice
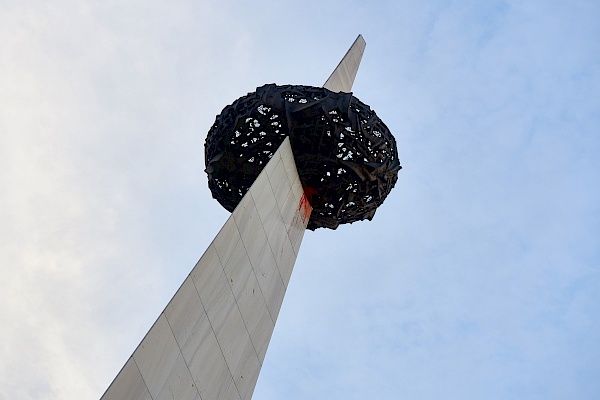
<point>346,157</point>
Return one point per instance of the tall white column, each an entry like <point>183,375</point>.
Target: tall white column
<point>211,339</point>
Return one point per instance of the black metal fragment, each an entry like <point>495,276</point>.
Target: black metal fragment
<point>346,156</point>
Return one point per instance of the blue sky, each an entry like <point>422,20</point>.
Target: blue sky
<point>479,277</point>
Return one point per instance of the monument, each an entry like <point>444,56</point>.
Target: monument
<point>281,159</point>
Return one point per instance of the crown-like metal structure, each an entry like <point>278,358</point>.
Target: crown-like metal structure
<point>346,156</point>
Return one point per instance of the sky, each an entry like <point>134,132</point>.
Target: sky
<point>478,278</point>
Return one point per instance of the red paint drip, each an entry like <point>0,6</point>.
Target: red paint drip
<point>304,208</point>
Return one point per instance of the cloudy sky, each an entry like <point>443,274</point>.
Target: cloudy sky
<point>479,277</point>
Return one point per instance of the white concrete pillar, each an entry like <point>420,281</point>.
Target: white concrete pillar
<point>210,341</point>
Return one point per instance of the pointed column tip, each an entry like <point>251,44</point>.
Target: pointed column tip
<point>342,78</point>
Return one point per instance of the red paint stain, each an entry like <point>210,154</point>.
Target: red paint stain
<point>310,192</point>
<point>304,208</point>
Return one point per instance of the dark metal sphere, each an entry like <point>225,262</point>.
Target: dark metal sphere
<point>346,156</point>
